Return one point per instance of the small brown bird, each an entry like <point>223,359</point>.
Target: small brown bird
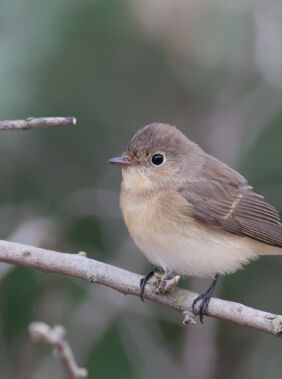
<point>188,212</point>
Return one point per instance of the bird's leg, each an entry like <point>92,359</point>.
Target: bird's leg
<point>205,297</point>
<point>146,278</point>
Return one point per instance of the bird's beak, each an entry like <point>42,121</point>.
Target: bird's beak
<point>122,161</point>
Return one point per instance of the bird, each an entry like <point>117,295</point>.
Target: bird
<point>190,213</point>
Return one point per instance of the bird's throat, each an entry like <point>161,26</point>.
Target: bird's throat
<point>135,183</point>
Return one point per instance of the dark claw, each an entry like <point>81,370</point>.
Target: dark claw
<point>205,297</point>
<point>144,281</point>
<point>146,278</point>
<point>203,306</point>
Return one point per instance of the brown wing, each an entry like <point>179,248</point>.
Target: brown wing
<point>233,207</point>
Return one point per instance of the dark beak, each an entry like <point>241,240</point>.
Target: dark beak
<point>122,161</point>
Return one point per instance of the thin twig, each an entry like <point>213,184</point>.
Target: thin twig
<point>43,333</point>
<point>128,283</point>
<point>32,122</point>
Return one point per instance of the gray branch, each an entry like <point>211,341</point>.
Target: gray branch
<point>43,333</point>
<point>32,122</point>
<point>126,282</point>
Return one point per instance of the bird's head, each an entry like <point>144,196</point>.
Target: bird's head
<point>156,155</point>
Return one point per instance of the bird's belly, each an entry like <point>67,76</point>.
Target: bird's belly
<point>195,252</point>
<point>188,249</point>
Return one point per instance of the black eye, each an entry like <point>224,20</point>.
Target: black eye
<point>157,159</point>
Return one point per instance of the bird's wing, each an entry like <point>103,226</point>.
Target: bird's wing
<point>234,207</point>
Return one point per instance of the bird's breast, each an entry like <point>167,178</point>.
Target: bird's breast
<point>173,240</point>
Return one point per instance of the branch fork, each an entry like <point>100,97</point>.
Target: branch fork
<point>163,283</point>
<point>44,334</point>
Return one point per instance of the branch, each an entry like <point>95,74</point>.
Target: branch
<point>31,123</point>
<point>126,282</point>
<point>43,333</point>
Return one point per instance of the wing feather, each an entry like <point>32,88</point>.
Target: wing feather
<point>234,207</point>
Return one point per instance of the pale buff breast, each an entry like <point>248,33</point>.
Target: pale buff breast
<point>179,243</point>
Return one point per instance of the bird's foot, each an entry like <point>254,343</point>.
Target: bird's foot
<point>205,299</point>
<point>163,281</point>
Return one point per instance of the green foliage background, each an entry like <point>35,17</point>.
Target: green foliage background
<point>212,68</point>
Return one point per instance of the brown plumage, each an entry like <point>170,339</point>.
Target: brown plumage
<point>219,196</point>
<point>191,213</point>
<point>228,202</point>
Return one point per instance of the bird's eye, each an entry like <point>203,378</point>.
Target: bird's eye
<point>157,159</point>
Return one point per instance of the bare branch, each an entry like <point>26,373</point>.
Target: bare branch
<point>32,122</point>
<point>128,283</point>
<point>43,333</point>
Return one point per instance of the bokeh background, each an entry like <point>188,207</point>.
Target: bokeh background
<point>214,69</point>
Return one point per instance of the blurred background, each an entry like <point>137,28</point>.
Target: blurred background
<point>214,69</point>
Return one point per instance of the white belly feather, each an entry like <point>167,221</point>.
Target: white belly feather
<point>196,251</point>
